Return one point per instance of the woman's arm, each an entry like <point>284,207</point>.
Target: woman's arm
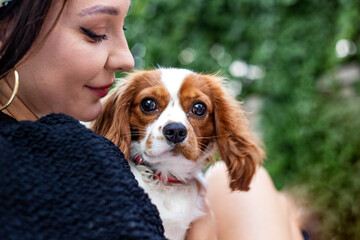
<point>261,213</point>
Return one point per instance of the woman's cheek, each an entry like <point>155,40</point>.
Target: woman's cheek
<point>85,60</point>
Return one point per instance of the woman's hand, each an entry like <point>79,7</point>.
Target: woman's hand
<point>203,228</point>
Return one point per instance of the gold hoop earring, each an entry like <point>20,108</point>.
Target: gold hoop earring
<point>16,87</point>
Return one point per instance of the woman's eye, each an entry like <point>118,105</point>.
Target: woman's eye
<point>125,28</point>
<point>94,36</point>
<point>148,105</point>
<point>199,109</point>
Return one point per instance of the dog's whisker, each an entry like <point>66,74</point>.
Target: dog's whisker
<point>209,137</point>
<point>203,145</point>
<point>138,132</point>
<point>138,129</point>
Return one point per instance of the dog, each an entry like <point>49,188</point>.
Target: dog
<point>168,123</point>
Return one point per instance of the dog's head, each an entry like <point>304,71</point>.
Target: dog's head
<point>173,118</point>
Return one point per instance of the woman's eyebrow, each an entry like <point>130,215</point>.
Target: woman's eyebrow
<point>99,9</point>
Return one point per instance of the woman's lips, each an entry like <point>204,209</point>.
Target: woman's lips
<point>100,91</point>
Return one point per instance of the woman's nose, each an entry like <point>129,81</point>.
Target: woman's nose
<point>120,57</point>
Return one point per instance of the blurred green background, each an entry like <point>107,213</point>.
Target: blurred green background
<point>295,63</point>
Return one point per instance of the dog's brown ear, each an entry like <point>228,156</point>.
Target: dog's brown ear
<point>237,145</point>
<point>113,122</point>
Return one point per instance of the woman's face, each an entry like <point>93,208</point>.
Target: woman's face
<point>75,66</point>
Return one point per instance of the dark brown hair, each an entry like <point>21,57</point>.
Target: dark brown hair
<point>19,28</point>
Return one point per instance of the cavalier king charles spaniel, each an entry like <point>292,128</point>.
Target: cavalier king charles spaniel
<point>168,122</point>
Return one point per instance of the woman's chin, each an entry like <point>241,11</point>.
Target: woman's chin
<point>89,114</point>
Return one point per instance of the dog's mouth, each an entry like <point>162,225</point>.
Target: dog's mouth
<point>154,174</point>
<point>167,150</point>
<point>167,169</point>
<point>159,156</point>
<point>160,148</point>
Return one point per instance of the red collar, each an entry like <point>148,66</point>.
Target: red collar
<point>139,161</point>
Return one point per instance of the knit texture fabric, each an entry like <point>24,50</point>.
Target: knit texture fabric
<point>59,180</point>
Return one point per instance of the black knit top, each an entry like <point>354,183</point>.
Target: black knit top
<point>59,180</point>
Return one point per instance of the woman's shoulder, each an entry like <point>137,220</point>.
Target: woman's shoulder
<point>57,138</point>
<point>55,133</point>
<point>59,125</point>
<point>55,171</point>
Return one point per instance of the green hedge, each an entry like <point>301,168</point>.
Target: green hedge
<point>310,114</point>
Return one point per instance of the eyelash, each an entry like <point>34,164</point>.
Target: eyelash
<point>94,36</point>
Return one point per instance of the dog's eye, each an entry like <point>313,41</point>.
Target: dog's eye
<point>148,105</point>
<point>199,109</point>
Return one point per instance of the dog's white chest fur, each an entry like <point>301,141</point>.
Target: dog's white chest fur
<point>178,204</point>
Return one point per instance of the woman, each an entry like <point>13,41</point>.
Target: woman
<point>62,181</point>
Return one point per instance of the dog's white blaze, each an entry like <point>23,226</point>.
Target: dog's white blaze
<point>173,79</point>
<point>173,113</point>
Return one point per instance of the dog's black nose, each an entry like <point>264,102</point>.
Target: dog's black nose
<point>175,132</point>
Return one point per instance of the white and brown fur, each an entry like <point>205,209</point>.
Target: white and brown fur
<point>140,133</point>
